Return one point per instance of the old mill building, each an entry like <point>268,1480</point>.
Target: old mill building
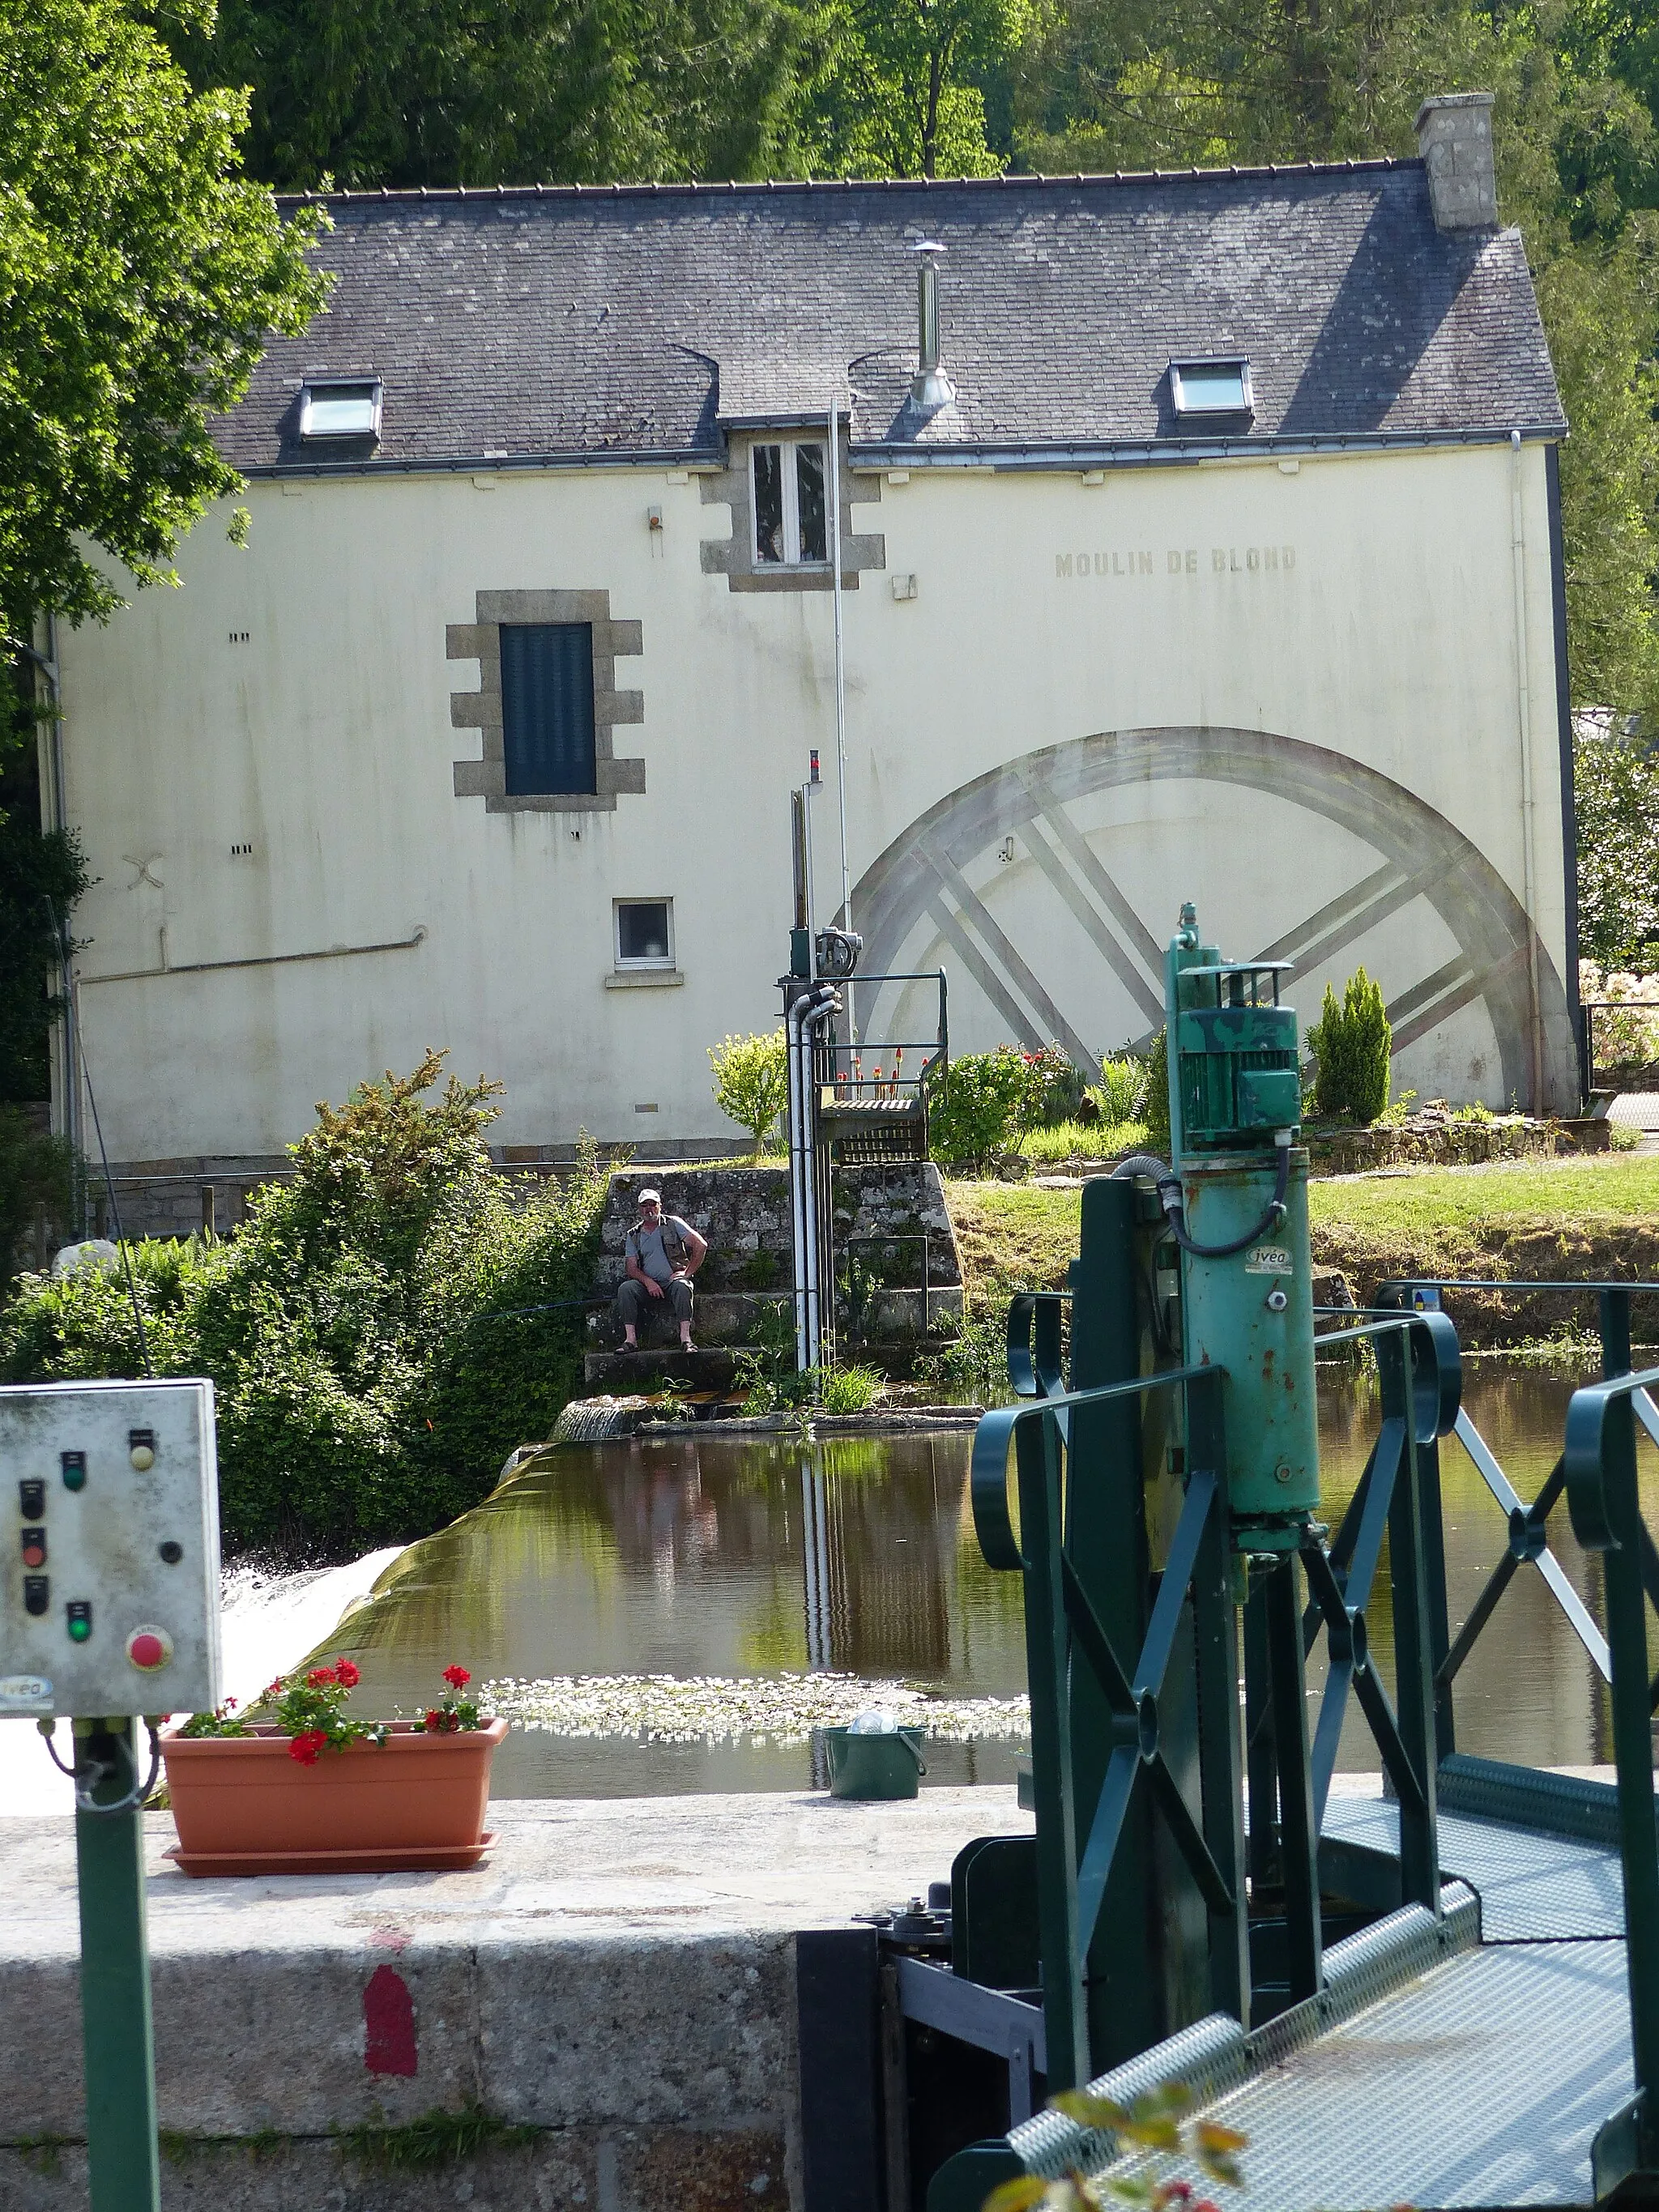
<point>1217,555</point>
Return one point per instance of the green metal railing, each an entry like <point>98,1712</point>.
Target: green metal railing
<point>1076,1841</point>
<point>1604,1501</point>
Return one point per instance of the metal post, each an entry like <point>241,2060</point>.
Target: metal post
<point>1106,1546</point>
<point>1633,1741</point>
<point>1414,1696</point>
<point>1262,1760</point>
<point>1298,1833</point>
<point>1048,1663</point>
<point>1216,1637</point>
<point>117,2032</point>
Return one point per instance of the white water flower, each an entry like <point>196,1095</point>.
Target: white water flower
<point>781,1709</point>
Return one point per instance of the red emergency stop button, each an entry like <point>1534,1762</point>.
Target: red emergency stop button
<point>150,1649</point>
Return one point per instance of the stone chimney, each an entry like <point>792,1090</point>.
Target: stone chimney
<point>1453,137</point>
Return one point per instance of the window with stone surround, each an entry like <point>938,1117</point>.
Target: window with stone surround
<point>547,704</point>
<point>778,491</point>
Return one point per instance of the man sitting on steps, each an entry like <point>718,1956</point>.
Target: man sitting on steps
<point>662,1253</point>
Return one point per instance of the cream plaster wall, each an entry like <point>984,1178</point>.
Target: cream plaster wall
<point>322,739</point>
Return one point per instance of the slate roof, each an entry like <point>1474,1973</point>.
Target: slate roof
<point>643,321</point>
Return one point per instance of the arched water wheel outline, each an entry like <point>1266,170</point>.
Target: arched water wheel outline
<point>921,876</point>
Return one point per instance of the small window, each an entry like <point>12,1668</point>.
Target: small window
<point>645,932</point>
<point>547,707</point>
<point>341,409</point>
<point>1212,387</point>
<point>791,505</point>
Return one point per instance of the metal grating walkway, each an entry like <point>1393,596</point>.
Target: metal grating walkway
<point>1480,2083</point>
<point>1532,1888</point>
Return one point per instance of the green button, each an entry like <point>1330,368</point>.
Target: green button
<point>80,1623</point>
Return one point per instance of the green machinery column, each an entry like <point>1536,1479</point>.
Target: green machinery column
<point>117,2031</point>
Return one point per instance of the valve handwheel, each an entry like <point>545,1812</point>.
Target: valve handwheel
<point>150,1649</point>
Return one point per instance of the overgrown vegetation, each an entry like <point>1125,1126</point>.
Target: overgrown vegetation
<point>388,1325</point>
<point>989,1103</point>
<point>1352,1041</point>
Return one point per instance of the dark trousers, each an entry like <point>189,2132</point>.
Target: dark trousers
<point>634,1301</point>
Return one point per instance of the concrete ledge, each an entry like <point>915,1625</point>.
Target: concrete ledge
<point>621,1972</point>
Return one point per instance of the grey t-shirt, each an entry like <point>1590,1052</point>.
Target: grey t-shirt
<point>647,1247</point>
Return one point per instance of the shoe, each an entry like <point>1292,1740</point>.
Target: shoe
<point>628,1347</point>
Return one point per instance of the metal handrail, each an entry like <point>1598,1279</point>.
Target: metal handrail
<point>1604,1504</point>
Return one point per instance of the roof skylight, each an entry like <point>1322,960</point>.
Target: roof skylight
<point>1212,387</point>
<point>340,408</point>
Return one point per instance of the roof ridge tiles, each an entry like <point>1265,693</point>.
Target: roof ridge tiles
<point>692,188</point>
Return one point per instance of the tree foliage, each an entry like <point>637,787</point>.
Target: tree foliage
<point>140,272</point>
<point>1616,778</point>
<point>380,1332</point>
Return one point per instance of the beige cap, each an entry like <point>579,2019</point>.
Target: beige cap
<point>655,1197</point>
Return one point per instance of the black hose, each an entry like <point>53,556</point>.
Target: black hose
<point>1170,1198</point>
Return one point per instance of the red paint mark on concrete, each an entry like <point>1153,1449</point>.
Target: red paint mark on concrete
<point>388,2024</point>
<point>388,1939</point>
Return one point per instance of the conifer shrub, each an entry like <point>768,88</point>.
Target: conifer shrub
<point>1352,1041</point>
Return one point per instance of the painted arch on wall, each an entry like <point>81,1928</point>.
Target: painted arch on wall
<point>1331,851</point>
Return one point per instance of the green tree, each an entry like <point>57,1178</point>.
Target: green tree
<point>1616,778</point>
<point>902,87</point>
<point>414,92</point>
<point>751,1081</point>
<point>139,274</point>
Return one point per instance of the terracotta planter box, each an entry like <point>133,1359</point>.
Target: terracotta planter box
<point>243,1805</point>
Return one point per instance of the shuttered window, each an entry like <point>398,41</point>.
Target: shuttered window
<point>547,707</point>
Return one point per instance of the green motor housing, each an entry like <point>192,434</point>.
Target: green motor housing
<point>1234,1108</point>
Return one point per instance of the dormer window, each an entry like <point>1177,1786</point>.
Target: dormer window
<point>340,408</point>
<point>1212,387</point>
<point>791,504</point>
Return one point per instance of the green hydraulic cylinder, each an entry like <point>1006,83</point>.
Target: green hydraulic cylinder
<point>118,2036</point>
<point>1252,1314</point>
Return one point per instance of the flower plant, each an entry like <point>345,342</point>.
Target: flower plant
<point>1155,2131</point>
<point>310,1709</point>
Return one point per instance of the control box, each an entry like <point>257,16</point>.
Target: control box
<point>109,1549</point>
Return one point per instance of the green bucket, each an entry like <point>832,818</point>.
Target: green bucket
<point>874,1766</point>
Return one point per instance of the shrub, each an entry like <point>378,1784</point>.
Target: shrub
<point>1121,1093</point>
<point>751,1081</point>
<point>365,1331</point>
<point>983,1103</point>
<point>1155,1111</point>
<point>1352,1041</point>
<point>36,1181</point>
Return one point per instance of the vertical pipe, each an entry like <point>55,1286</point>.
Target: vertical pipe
<point>1523,702</point>
<point>117,2033</point>
<point>841,691</point>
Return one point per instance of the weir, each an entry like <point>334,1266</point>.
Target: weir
<point>1422,2001</point>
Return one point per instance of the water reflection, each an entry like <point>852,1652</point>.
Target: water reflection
<point>701,1555</point>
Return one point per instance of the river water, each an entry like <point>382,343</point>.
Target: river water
<point>733,1564</point>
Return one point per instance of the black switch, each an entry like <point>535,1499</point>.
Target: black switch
<point>75,1469</point>
<point>34,1547</point>
<point>31,1498</point>
<point>37,1594</point>
<point>171,1551</point>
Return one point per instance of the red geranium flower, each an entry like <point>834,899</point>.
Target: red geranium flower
<point>306,1747</point>
<point>434,1720</point>
<point>319,1678</point>
<point>347,1675</point>
<point>457,1677</point>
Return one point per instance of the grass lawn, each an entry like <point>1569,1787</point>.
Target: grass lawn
<point>1577,1217</point>
<point>1612,1188</point>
